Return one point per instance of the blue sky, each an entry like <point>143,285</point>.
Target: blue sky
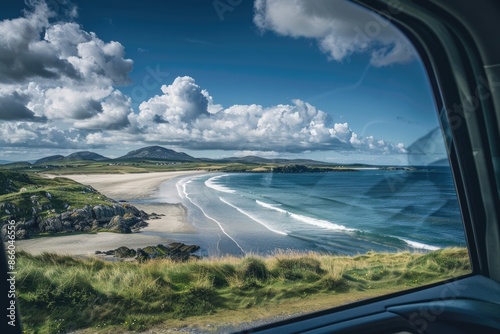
<point>269,78</point>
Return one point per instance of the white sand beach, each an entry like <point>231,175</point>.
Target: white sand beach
<point>124,187</point>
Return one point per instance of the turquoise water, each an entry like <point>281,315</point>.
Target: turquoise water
<point>335,212</point>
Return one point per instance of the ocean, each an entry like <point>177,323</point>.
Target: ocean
<point>333,212</point>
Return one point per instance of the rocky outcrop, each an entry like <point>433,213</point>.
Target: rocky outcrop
<point>121,218</point>
<point>176,251</point>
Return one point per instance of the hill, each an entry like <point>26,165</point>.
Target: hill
<point>157,153</point>
<point>41,206</point>
<point>52,158</point>
<point>85,155</point>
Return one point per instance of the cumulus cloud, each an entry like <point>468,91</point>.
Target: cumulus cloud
<point>60,92</point>
<point>24,55</point>
<point>184,115</point>
<point>39,136</point>
<point>113,116</point>
<point>13,108</point>
<point>58,71</point>
<point>182,102</point>
<point>340,28</point>
<point>32,47</point>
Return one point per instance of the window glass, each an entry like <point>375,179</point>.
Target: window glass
<point>216,165</point>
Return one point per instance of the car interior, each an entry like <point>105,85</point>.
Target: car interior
<point>456,42</point>
<point>458,45</point>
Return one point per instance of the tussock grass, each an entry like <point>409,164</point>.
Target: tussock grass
<point>62,293</point>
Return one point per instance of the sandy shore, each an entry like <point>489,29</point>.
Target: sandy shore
<point>121,187</point>
<point>126,186</point>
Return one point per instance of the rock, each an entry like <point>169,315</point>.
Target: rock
<point>21,234</point>
<point>95,225</point>
<point>82,214</point>
<point>117,218</point>
<point>66,215</point>
<point>30,223</point>
<point>4,232</point>
<point>124,252</point>
<point>117,224</point>
<point>129,219</point>
<point>154,252</point>
<point>104,213</point>
<point>131,209</point>
<point>8,208</point>
<point>139,225</point>
<point>162,249</point>
<point>151,251</point>
<point>141,255</point>
<point>51,224</point>
<point>67,225</point>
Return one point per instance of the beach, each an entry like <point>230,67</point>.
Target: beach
<point>262,213</point>
<point>125,187</point>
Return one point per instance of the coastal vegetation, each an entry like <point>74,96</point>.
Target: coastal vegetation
<point>59,294</point>
<point>45,206</point>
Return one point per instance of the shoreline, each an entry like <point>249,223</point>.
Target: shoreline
<point>130,188</point>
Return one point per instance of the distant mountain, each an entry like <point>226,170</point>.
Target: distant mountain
<point>157,153</point>
<point>52,158</point>
<point>17,164</point>
<point>85,155</point>
<point>3,162</point>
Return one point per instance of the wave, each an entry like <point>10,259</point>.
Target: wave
<point>419,245</point>
<point>252,217</point>
<point>211,184</point>
<point>332,226</point>
<point>182,186</point>
<point>308,220</point>
<point>270,206</point>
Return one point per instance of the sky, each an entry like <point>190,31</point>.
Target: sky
<point>317,79</point>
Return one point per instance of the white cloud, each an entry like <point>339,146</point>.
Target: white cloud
<point>266,154</point>
<point>181,116</point>
<point>340,28</point>
<point>182,102</point>
<point>61,94</point>
<point>58,71</point>
<point>114,115</point>
<point>38,136</point>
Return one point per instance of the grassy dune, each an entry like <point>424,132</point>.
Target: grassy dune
<point>61,293</point>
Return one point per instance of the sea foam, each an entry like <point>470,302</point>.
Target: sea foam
<point>211,184</point>
<point>251,217</point>
<point>182,186</point>
<point>419,245</point>
<point>305,219</point>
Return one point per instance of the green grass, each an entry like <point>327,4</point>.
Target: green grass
<point>147,166</point>
<point>61,293</point>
